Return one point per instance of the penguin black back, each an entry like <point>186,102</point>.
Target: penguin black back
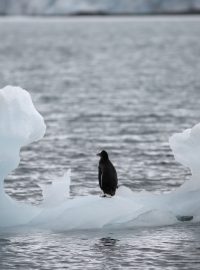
<point>107,174</point>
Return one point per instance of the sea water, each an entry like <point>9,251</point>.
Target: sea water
<point>124,85</point>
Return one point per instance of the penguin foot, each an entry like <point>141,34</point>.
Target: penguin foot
<point>105,195</point>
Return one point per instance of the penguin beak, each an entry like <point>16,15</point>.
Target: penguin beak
<point>99,154</point>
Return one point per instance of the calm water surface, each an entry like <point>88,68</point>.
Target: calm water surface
<point>121,84</point>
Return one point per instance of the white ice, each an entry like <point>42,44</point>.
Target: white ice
<point>21,124</point>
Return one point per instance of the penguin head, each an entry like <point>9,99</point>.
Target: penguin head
<point>103,154</point>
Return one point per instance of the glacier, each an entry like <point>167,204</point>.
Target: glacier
<point>21,124</point>
<point>69,7</point>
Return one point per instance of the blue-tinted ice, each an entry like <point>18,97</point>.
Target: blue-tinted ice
<point>21,124</point>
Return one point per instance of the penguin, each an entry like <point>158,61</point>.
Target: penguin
<point>107,175</point>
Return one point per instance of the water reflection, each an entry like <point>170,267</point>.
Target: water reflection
<point>108,241</point>
<point>108,250</point>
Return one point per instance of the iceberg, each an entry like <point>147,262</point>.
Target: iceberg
<point>21,124</point>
